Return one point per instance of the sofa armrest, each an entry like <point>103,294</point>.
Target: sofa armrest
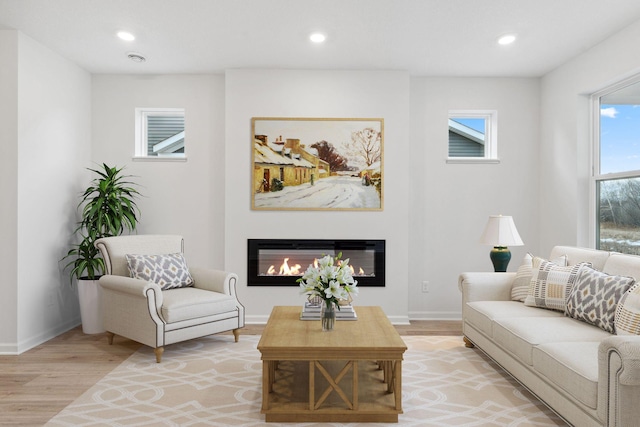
<point>128,285</point>
<point>132,308</point>
<point>215,280</point>
<point>485,286</point>
<point>219,281</point>
<point>619,380</point>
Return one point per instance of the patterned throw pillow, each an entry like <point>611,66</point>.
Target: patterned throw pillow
<point>520,286</point>
<point>627,319</point>
<point>168,271</point>
<point>550,284</point>
<point>595,296</point>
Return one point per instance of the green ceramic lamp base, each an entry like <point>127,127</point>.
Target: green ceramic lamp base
<point>500,257</point>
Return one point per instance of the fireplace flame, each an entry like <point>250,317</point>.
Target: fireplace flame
<point>286,270</point>
<point>296,269</point>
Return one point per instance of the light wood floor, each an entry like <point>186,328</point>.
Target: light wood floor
<point>39,383</point>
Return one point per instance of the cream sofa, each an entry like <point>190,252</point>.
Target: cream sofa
<point>588,376</point>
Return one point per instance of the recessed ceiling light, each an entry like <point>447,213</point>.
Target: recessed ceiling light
<point>136,57</point>
<point>507,39</point>
<point>317,37</point>
<point>126,36</point>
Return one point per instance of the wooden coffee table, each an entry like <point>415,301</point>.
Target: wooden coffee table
<point>351,374</point>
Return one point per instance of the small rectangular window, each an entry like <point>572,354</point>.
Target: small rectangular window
<point>472,136</point>
<point>160,133</point>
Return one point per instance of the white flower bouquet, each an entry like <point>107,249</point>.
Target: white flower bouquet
<point>331,279</point>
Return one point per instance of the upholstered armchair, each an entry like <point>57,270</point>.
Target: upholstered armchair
<point>194,302</point>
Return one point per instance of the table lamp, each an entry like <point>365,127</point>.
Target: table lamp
<point>500,232</point>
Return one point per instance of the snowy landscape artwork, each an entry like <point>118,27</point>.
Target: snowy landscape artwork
<point>317,163</point>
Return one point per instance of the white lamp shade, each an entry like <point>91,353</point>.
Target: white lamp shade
<point>501,231</point>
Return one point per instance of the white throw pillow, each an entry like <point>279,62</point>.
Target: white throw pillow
<point>520,286</point>
<point>550,284</point>
<point>595,297</point>
<point>169,271</point>
<point>627,318</point>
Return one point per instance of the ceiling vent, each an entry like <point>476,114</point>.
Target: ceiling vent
<point>136,57</point>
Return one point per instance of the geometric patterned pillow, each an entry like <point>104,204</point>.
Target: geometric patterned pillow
<point>520,286</point>
<point>627,320</point>
<point>595,297</point>
<point>168,271</point>
<point>550,284</point>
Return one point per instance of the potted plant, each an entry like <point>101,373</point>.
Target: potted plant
<point>108,209</point>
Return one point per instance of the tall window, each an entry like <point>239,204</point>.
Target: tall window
<point>616,174</point>
<point>473,136</point>
<point>160,132</point>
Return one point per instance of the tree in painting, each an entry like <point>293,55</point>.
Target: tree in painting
<point>366,145</point>
<point>328,153</point>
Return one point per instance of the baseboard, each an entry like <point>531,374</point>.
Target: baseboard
<point>435,315</point>
<point>28,344</point>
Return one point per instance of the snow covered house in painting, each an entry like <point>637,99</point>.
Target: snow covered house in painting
<point>286,161</point>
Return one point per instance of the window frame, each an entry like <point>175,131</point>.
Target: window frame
<point>597,177</point>
<point>141,135</point>
<point>491,136</point>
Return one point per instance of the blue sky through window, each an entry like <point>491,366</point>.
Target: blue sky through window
<point>476,124</point>
<point>619,138</point>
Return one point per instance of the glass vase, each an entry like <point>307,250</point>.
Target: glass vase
<point>328,316</point>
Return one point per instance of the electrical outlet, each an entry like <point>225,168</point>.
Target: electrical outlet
<point>425,286</point>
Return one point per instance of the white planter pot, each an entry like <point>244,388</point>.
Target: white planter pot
<point>90,306</point>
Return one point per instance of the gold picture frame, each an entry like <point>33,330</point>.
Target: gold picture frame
<point>317,164</point>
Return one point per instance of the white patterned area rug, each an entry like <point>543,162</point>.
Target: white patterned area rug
<point>213,381</point>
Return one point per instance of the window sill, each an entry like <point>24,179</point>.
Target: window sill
<point>472,160</point>
<point>159,159</point>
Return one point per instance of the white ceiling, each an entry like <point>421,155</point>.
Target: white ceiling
<point>423,37</point>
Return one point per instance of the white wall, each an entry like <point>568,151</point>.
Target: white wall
<point>450,203</point>
<point>433,212</point>
<point>185,198</point>
<point>9,190</point>
<point>297,93</point>
<point>565,146</point>
<point>53,132</point>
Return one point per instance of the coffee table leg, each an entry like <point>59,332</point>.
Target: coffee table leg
<point>266,384</point>
<point>355,385</point>
<point>312,385</point>
<point>398,384</point>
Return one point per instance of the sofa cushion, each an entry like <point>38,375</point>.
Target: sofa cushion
<point>572,366</point>
<point>627,317</point>
<point>550,284</point>
<point>520,287</point>
<point>597,258</point>
<point>190,303</point>
<point>595,296</point>
<point>481,314</point>
<point>166,270</point>
<point>522,334</point>
<point>622,265</point>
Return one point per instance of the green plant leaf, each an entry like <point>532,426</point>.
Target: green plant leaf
<point>107,208</point>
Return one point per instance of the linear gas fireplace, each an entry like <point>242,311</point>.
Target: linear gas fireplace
<point>280,262</point>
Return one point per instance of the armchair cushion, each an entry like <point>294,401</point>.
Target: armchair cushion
<point>190,303</point>
<point>168,271</point>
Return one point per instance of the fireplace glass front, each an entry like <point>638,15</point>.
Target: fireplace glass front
<point>280,262</point>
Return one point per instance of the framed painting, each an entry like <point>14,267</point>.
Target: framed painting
<point>317,164</point>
